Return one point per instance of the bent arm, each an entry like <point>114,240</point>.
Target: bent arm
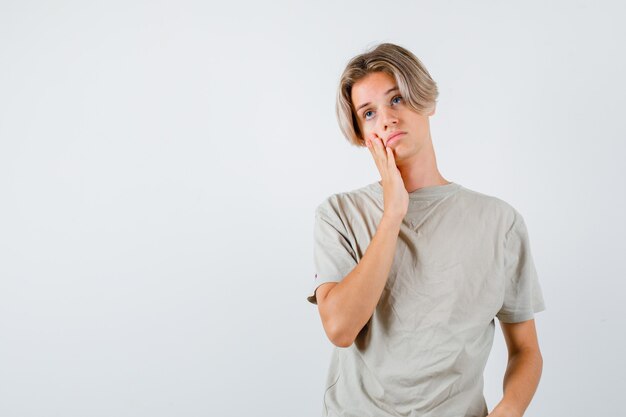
<point>347,306</point>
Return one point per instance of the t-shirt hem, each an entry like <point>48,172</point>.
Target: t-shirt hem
<point>519,316</point>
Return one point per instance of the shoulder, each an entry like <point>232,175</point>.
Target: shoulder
<point>491,206</point>
<point>347,202</point>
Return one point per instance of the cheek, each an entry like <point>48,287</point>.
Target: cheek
<point>366,129</point>
<point>374,127</point>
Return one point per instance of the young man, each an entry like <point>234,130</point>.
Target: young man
<point>412,270</point>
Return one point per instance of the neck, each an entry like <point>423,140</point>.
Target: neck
<point>421,170</point>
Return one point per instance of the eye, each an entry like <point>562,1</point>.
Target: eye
<point>398,98</point>
<point>366,113</point>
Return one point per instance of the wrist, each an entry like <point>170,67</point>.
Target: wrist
<point>504,410</point>
<point>392,220</point>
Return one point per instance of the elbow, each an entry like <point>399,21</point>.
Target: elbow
<point>337,329</point>
<point>340,337</point>
<point>342,342</point>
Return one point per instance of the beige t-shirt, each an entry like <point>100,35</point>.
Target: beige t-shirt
<point>462,258</point>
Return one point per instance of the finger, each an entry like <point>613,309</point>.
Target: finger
<point>379,150</point>
<point>378,144</point>
<point>370,147</point>
<point>391,160</point>
<point>377,153</point>
<point>374,146</point>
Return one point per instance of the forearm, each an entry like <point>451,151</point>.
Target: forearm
<point>352,301</point>
<point>521,379</point>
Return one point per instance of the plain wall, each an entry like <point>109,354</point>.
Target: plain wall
<point>160,163</point>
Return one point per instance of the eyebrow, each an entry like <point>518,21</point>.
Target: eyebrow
<point>367,104</point>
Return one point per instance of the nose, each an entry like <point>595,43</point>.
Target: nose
<point>388,118</point>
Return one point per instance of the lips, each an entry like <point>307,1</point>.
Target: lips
<point>393,136</point>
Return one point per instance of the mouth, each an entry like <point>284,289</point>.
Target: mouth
<point>394,137</point>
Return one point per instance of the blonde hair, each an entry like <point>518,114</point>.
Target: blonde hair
<point>414,82</point>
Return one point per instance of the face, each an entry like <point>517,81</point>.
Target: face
<point>382,112</point>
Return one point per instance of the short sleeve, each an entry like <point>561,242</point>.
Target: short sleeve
<point>333,255</point>
<point>522,293</point>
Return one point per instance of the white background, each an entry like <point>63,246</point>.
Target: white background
<point>160,163</point>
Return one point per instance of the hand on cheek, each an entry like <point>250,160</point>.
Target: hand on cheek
<point>395,195</point>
